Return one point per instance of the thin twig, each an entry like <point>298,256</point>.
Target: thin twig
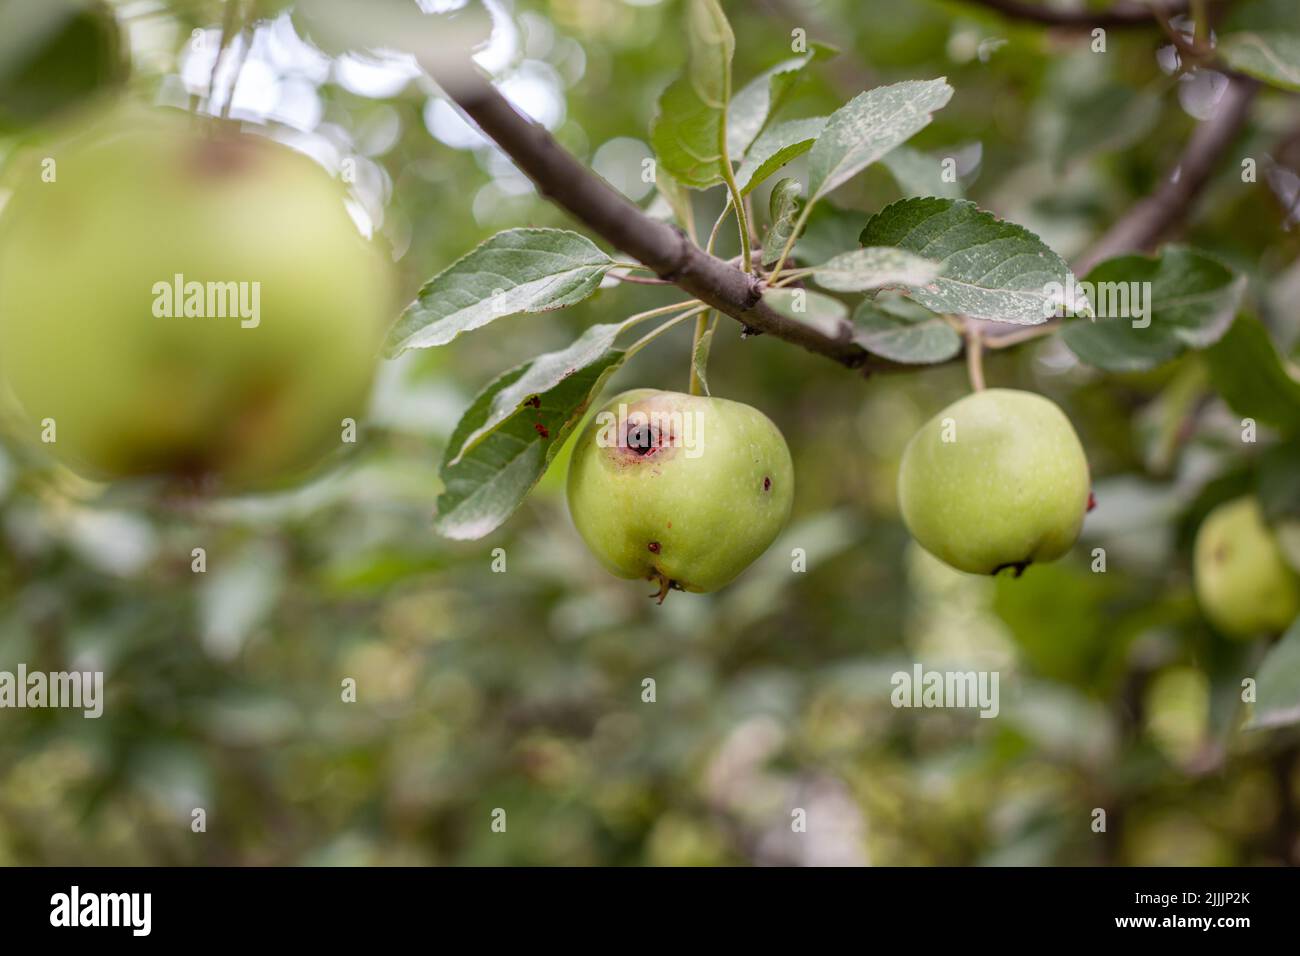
<point>654,333</point>
<point>717,225</point>
<point>1020,335</point>
<point>695,386</point>
<point>229,12</point>
<point>1193,49</point>
<point>609,214</point>
<point>632,320</point>
<point>1121,14</point>
<point>1147,222</point>
<point>742,221</point>
<point>975,356</point>
<point>639,280</point>
<point>667,251</point>
<point>247,36</point>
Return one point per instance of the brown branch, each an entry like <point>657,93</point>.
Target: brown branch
<point>1147,222</point>
<point>1122,14</point>
<point>722,285</point>
<point>608,213</point>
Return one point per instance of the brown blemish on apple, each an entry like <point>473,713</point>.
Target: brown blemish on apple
<point>654,547</point>
<point>767,483</point>
<point>644,441</point>
<point>224,156</point>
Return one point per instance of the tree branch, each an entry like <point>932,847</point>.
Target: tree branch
<point>1122,14</point>
<point>609,214</point>
<point>720,284</point>
<point>1148,221</point>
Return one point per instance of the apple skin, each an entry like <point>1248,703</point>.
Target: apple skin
<point>1011,490</point>
<point>1243,584</point>
<point>140,196</point>
<point>689,516</point>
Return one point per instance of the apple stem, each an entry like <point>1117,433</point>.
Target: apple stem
<point>975,357</point>
<point>247,47</point>
<point>696,387</point>
<point>231,23</point>
<point>742,220</point>
<point>658,330</point>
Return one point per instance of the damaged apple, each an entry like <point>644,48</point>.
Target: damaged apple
<point>682,490</point>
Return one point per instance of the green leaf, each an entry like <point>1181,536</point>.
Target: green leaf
<point>1253,378</point>
<point>868,127</point>
<point>540,376</point>
<point>990,269</point>
<point>1184,300</point>
<point>1279,482</point>
<point>829,232</point>
<point>1288,540</point>
<point>712,46</point>
<point>919,174</point>
<point>493,460</point>
<point>689,134</point>
<point>1099,121</point>
<point>777,146</point>
<point>827,315</point>
<point>1261,38</point>
<point>761,97</point>
<point>903,331</point>
<point>686,136</point>
<point>449,36</point>
<point>873,268</point>
<point>1273,58</point>
<point>53,55</point>
<point>678,199</point>
<point>520,270</point>
<point>1277,683</point>
<point>700,358</point>
<point>784,207</point>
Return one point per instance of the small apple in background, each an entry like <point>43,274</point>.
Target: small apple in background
<point>134,386</point>
<point>997,480</point>
<point>1287,532</point>
<point>679,489</point>
<point>1242,582</point>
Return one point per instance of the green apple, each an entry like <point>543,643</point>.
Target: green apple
<point>1287,532</point>
<point>679,489</point>
<point>1242,581</point>
<point>996,480</point>
<point>180,299</point>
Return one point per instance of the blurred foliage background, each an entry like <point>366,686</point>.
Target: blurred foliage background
<point>522,690</point>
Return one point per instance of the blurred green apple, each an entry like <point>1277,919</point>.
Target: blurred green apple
<point>180,299</point>
<point>1287,532</point>
<point>1243,583</point>
<point>996,480</point>
<point>679,489</point>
